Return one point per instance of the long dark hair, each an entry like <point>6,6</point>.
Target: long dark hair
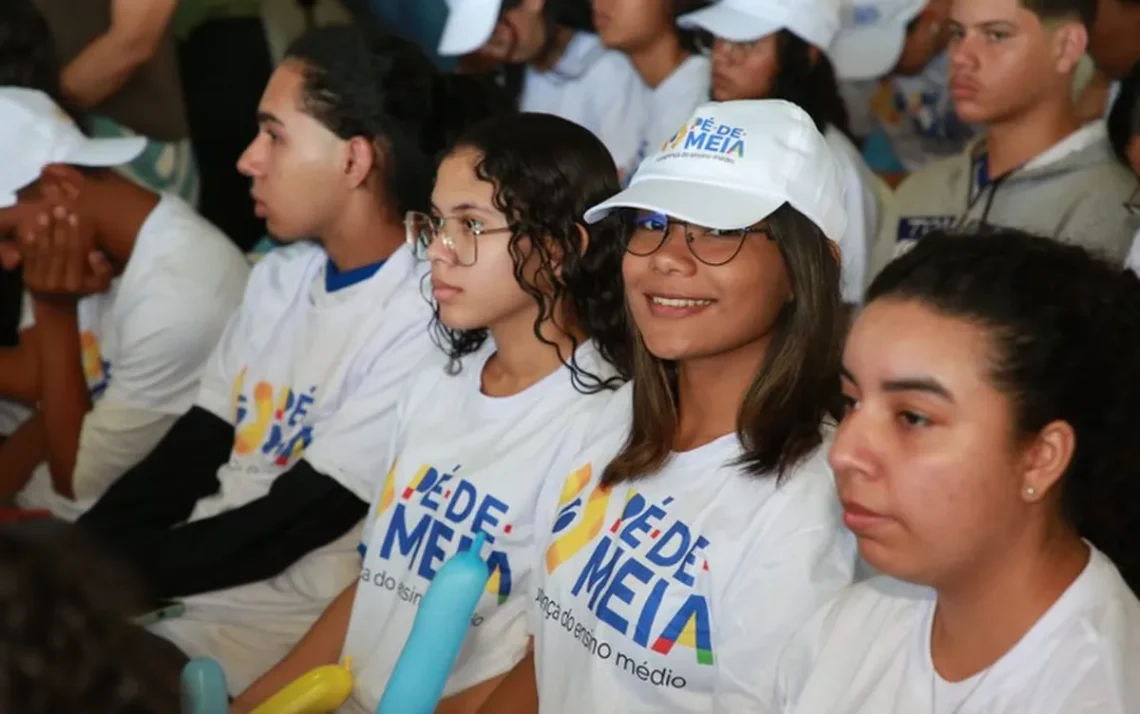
<point>1064,334</point>
<point>794,391</point>
<point>1124,119</point>
<point>547,172</point>
<point>361,82</point>
<point>809,82</point>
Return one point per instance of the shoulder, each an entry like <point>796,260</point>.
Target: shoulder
<point>933,177</point>
<point>284,271</point>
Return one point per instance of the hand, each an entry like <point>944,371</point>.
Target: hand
<point>59,257</point>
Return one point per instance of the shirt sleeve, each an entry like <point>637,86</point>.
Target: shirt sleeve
<point>793,575</point>
<point>113,439</point>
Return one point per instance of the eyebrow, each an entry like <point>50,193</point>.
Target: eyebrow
<point>927,385</point>
<point>267,118</point>
<point>463,207</point>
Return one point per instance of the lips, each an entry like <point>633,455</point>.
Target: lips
<point>443,291</point>
<point>859,518</point>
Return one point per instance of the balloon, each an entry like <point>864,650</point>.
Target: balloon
<point>437,633</point>
<point>318,691</point>
<point>204,688</point>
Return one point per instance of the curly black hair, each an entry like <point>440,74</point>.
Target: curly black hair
<point>807,79</point>
<point>547,172</point>
<point>1064,327</point>
<point>68,646</point>
<point>363,82</point>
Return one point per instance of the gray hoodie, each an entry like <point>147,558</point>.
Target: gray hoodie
<point>1077,192</point>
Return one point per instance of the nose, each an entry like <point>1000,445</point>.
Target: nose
<point>963,54</point>
<point>851,450</point>
<point>250,161</point>
<point>674,256</point>
<point>439,252</point>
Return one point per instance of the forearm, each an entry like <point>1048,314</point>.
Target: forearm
<point>321,645</point>
<point>64,401</point>
<point>518,692</point>
<point>20,454</point>
<point>102,68</point>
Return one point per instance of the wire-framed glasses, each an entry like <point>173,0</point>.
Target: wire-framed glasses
<point>459,234</point>
<point>708,245</point>
<point>735,52</point>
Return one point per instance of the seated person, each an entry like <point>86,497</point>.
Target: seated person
<point>1037,168</point>
<point>107,365</point>
<point>553,68</point>
<point>530,334</point>
<point>766,49</point>
<point>986,464</point>
<point>891,56</point>
<point>250,507</point>
<point>676,79</point>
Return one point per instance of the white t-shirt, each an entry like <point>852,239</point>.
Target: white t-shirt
<point>1133,260</point>
<point>463,463</point>
<point>302,373</point>
<point>669,105</point>
<point>144,345</point>
<point>677,592</point>
<point>863,212</point>
<point>596,88</point>
<point>868,652</point>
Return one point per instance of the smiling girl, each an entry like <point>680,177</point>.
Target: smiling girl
<point>528,313</point>
<point>987,465</point>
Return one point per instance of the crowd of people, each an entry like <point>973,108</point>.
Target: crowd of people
<point>781,351</point>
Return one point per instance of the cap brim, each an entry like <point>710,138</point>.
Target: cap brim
<point>867,53</point>
<point>701,204</point>
<point>106,152</point>
<point>469,25</point>
<point>7,200</point>
<point>733,25</point>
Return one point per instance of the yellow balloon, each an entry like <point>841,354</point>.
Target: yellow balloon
<point>319,691</point>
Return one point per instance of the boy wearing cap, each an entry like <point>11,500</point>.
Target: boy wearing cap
<point>1037,168</point>
<point>129,292</point>
<point>891,54</point>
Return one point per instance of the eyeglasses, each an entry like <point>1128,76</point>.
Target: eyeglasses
<point>708,245</point>
<point>459,235</point>
<point>735,52</point>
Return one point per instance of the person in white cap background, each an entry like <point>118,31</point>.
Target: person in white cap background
<point>890,56</point>
<point>778,49</point>
<point>676,79</point>
<point>1036,168</point>
<point>701,526</point>
<point>564,71</point>
<point>108,364</point>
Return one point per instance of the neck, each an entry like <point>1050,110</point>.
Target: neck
<point>364,233</point>
<point>981,618</point>
<point>521,359</point>
<point>557,47</point>
<point>118,208</point>
<point>658,59</point>
<point>1014,141</point>
<point>710,392</point>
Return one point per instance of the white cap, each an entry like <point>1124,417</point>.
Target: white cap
<point>872,36</point>
<point>815,21</point>
<point>469,24</point>
<point>35,132</point>
<point>734,163</point>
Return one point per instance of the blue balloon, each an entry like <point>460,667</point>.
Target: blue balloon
<point>438,632</point>
<point>204,688</point>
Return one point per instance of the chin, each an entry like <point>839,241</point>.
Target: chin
<point>971,112</point>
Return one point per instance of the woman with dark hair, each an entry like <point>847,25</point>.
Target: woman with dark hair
<point>554,65</point>
<point>251,502</point>
<point>700,526</point>
<point>765,49</point>
<point>987,465</point>
<point>529,314</point>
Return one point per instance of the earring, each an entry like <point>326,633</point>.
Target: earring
<point>1030,491</point>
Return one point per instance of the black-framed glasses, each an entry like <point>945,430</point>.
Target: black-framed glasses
<point>736,52</point>
<point>459,234</point>
<point>708,245</point>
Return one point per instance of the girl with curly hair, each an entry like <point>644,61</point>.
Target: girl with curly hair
<point>528,311</point>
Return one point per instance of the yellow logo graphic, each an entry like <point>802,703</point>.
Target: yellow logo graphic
<point>588,526</point>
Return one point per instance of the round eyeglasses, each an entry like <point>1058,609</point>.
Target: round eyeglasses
<point>708,245</point>
<point>459,234</point>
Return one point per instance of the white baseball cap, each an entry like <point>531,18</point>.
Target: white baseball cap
<point>469,24</point>
<point>734,163</point>
<point>815,21</point>
<point>35,132</point>
<point>871,36</point>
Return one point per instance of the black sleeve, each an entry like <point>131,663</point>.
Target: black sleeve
<point>303,511</point>
<point>161,490</point>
